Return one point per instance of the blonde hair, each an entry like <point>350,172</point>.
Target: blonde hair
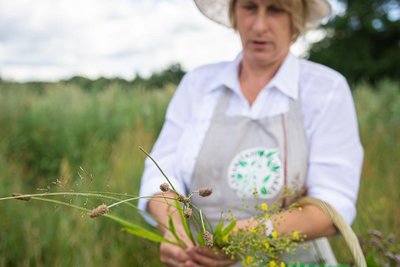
<point>297,10</point>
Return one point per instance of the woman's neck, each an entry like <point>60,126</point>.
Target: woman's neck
<point>253,77</point>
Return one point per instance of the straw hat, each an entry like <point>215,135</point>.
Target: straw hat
<point>217,11</point>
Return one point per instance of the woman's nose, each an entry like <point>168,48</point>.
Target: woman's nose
<point>260,23</point>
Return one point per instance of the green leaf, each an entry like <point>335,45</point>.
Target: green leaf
<point>243,163</point>
<point>229,228</point>
<point>200,239</point>
<point>146,234</point>
<point>218,230</point>
<point>266,178</point>
<point>275,168</point>
<point>184,221</point>
<point>172,229</point>
<point>264,190</point>
<point>270,154</point>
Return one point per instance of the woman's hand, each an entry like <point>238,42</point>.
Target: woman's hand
<point>173,255</point>
<point>207,257</point>
<point>246,224</point>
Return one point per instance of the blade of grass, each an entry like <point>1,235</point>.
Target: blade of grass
<point>229,228</point>
<point>218,229</point>
<point>184,221</point>
<point>146,234</point>
<point>172,229</point>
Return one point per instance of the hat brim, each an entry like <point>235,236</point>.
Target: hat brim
<point>217,11</point>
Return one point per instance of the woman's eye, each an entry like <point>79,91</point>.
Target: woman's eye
<point>274,9</point>
<point>249,7</point>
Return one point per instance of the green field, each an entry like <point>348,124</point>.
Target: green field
<point>62,130</point>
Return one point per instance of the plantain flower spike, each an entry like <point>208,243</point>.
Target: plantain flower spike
<point>164,187</point>
<point>208,239</point>
<point>183,199</point>
<point>205,191</point>
<point>99,211</point>
<point>188,212</point>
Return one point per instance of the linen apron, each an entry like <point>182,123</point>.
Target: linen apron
<point>241,154</point>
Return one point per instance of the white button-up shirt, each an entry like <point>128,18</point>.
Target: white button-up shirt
<point>335,151</point>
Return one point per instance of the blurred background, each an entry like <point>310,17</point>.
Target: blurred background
<point>84,83</point>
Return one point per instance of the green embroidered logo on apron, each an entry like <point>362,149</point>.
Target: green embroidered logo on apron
<point>256,169</point>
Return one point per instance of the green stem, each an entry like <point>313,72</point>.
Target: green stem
<point>60,194</point>
<point>159,168</point>
<point>112,217</point>
<point>125,201</point>
<point>112,193</point>
<point>136,198</point>
<point>202,221</point>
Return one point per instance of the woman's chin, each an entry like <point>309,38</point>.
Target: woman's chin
<point>262,60</point>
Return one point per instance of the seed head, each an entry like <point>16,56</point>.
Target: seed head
<point>188,212</point>
<point>375,242</point>
<point>164,187</point>
<point>100,210</point>
<point>21,197</point>
<point>397,256</point>
<point>205,191</point>
<point>390,255</point>
<point>208,239</point>
<point>375,233</point>
<point>183,199</point>
<point>180,198</point>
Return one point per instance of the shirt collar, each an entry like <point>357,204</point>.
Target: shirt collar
<point>286,79</point>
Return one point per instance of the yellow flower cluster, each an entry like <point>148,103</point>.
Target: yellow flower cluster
<point>247,261</point>
<point>264,206</point>
<point>275,234</point>
<point>296,235</point>
<point>274,264</point>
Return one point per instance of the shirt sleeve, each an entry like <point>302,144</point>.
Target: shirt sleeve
<point>335,152</point>
<point>164,149</point>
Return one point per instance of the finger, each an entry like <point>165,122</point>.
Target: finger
<point>208,252</point>
<point>182,236</point>
<point>171,254</point>
<point>212,253</point>
<point>192,264</point>
<point>208,261</point>
<point>171,262</point>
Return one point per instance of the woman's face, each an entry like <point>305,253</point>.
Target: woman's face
<point>265,31</point>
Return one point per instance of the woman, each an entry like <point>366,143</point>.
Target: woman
<point>228,115</point>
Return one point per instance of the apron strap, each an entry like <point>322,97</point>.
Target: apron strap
<point>223,103</point>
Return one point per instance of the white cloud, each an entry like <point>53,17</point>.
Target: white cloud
<point>53,39</point>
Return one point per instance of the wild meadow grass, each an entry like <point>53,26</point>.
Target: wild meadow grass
<point>63,132</point>
<point>48,136</point>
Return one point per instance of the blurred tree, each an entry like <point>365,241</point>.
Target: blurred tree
<point>363,43</point>
<point>171,75</point>
<point>98,84</point>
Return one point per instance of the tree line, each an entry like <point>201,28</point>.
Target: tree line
<point>157,80</point>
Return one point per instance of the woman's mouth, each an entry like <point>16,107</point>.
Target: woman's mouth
<point>258,45</point>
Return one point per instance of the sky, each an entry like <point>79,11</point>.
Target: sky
<point>57,39</point>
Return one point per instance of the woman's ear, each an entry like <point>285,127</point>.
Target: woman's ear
<point>295,33</point>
